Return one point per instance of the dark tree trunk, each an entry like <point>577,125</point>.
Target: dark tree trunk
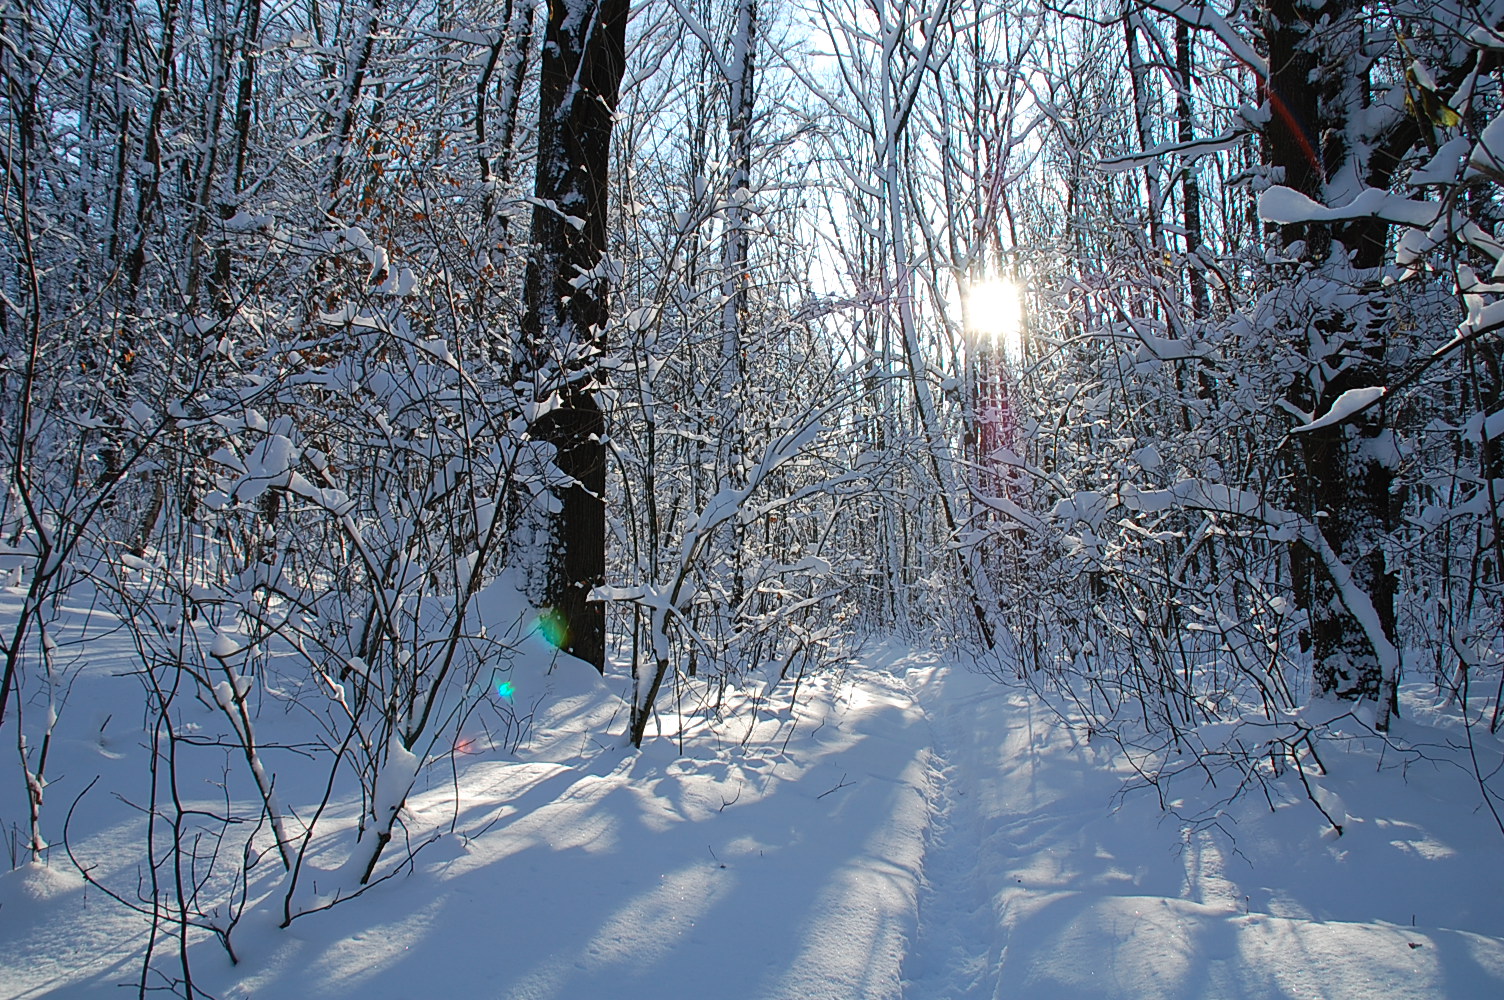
<point>1316,82</point>
<point>1190,185</point>
<point>1290,138</point>
<point>584,56</point>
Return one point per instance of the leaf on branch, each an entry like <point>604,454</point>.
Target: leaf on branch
<point>1423,103</point>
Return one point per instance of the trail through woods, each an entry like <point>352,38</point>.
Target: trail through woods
<point>909,830</point>
<point>956,951</point>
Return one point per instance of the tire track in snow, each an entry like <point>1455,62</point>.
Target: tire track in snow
<point>956,951</point>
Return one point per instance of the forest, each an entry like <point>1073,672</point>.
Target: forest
<point>364,362</point>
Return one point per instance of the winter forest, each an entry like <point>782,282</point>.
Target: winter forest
<point>1039,456</point>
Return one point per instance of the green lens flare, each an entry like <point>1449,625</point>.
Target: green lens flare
<point>553,628</point>
<point>506,689</point>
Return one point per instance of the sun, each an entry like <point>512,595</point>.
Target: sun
<point>995,311</point>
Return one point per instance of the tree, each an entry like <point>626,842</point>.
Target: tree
<point>566,289</point>
<point>1336,143</point>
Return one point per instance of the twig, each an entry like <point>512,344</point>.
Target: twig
<point>839,785</point>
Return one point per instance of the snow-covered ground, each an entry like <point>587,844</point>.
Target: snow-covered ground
<point>910,829</point>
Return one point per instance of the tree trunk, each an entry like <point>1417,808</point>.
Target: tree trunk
<point>1138,72</point>
<point>1346,470</point>
<point>1190,186</point>
<point>735,277</point>
<point>584,56</point>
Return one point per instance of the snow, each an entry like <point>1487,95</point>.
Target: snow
<point>1488,156</point>
<point>1203,15</point>
<point>224,647</point>
<point>1148,458</point>
<point>911,829</point>
<point>1343,407</point>
<point>1442,168</point>
<point>1284,205</point>
<point>1227,140</point>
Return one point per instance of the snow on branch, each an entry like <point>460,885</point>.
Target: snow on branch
<point>1195,494</point>
<point>696,27</point>
<point>1199,14</point>
<point>1487,157</point>
<point>1349,404</point>
<point>1191,150</point>
<point>1285,206</point>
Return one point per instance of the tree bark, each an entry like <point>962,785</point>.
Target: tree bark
<point>1316,81</point>
<point>1190,185</point>
<point>566,289</point>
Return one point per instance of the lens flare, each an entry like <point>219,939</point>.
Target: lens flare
<point>506,689</point>
<point>553,628</point>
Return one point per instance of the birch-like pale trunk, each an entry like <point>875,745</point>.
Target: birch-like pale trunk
<point>734,273</point>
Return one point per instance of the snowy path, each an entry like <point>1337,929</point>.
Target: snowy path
<point>909,831</point>
<point>956,952</point>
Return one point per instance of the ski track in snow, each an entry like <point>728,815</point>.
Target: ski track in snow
<point>954,953</point>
